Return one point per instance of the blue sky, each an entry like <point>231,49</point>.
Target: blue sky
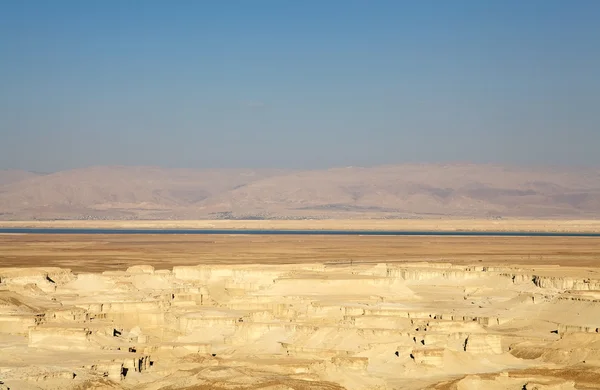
<point>301,84</point>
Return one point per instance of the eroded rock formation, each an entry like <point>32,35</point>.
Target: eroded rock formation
<point>355,326</point>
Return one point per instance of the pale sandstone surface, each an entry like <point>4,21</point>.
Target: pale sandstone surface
<point>317,312</point>
<point>354,325</point>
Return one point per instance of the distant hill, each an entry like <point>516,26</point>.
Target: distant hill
<point>397,191</point>
<point>8,176</point>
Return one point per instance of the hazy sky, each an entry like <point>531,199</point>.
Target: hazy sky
<point>304,84</point>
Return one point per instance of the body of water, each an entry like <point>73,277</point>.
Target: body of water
<point>294,232</point>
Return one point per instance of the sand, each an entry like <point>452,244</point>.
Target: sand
<point>299,312</point>
<point>97,253</point>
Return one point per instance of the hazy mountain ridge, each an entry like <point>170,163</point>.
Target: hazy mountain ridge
<point>409,190</point>
<point>8,176</point>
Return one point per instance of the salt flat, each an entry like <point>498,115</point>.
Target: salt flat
<point>291,312</point>
<point>437,224</point>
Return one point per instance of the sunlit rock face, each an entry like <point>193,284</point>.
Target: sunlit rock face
<point>359,326</point>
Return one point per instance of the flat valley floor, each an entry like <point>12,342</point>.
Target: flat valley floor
<point>299,312</point>
<point>97,253</point>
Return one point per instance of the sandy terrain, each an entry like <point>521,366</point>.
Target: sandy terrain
<point>97,253</point>
<point>513,225</point>
<point>299,312</point>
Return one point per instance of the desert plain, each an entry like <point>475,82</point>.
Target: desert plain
<point>235,311</point>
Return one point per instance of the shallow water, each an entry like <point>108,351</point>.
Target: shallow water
<point>295,232</point>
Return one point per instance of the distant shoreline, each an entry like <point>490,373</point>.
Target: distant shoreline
<point>442,225</point>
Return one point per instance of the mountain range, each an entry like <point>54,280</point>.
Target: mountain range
<point>391,191</point>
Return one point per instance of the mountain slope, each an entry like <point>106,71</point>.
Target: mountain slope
<point>410,190</point>
<point>8,176</point>
<point>118,192</point>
